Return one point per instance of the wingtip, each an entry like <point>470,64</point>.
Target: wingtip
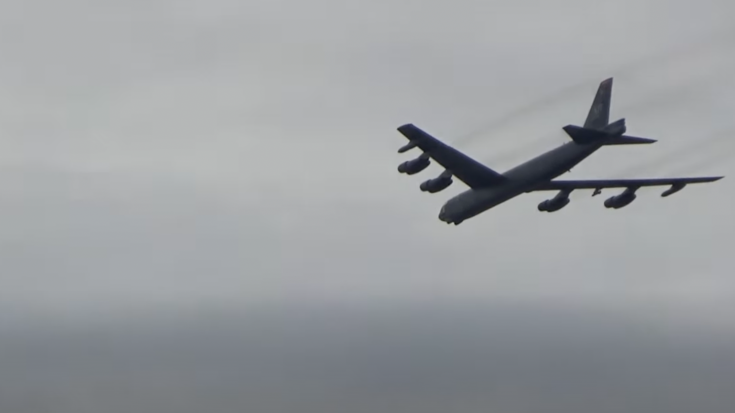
<point>411,131</point>
<point>407,130</point>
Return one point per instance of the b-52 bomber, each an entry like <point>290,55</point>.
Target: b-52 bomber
<point>488,188</point>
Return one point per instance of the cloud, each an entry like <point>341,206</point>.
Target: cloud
<point>185,154</point>
<point>491,356</point>
<point>178,157</point>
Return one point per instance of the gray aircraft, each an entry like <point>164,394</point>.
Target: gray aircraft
<point>489,188</point>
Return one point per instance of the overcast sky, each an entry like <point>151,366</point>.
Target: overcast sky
<point>188,157</point>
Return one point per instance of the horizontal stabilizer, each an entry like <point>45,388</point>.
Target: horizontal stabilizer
<point>629,140</point>
<point>584,136</point>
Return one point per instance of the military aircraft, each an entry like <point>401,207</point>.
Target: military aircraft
<point>489,188</point>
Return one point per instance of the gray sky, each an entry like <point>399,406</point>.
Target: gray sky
<point>238,157</point>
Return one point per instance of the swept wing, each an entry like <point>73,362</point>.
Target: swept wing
<point>466,169</point>
<point>599,184</point>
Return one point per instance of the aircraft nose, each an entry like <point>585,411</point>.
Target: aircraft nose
<point>443,216</point>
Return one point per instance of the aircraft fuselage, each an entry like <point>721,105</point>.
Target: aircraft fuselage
<point>520,179</point>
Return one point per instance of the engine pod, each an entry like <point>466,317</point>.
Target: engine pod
<point>437,184</point>
<point>415,165</point>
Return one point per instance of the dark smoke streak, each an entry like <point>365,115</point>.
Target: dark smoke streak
<point>697,146</point>
<point>628,71</point>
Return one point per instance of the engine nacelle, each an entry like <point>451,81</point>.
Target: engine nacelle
<point>619,201</point>
<point>556,203</point>
<point>415,165</point>
<point>437,184</point>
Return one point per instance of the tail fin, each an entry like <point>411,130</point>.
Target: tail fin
<point>599,114</point>
<point>597,127</point>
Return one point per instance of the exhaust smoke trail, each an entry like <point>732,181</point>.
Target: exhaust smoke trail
<point>515,154</point>
<point>680,73</point>
<point>724,154</point>
<point>676,91</point>
<point>687,54</point>
<point>523,111</point>
<point>629,72</point>
<point>694,147</point>
<point>657,103</point>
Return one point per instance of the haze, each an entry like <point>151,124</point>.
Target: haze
<point>201,209</point>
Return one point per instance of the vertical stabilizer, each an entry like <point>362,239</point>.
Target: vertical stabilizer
<point>599,114</point>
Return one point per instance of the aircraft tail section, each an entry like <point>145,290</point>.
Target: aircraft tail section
<point>616,128</point>
<point>612,134</point>
<point>628,140</point>
<point>585,136</point>
<point>597,128</point>
<point>599,114</point>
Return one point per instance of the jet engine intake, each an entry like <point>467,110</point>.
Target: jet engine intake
<point>437,184</point>
<point>556,203</point>
<point>415,165</point>
<point>621,200</point>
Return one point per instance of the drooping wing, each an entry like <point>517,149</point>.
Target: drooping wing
<point>598,184</point>
<point>466,169</point>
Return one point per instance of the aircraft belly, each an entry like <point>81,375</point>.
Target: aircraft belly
<point>482,200</point>
<point>550,165</point>
<point>521,179</point>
